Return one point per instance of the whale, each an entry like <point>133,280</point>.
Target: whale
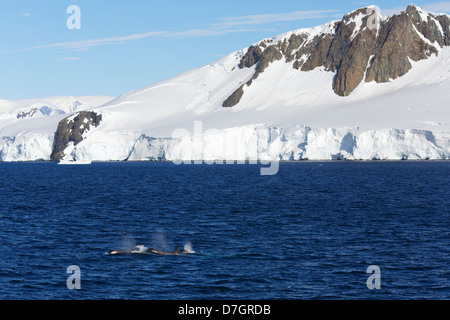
<point>120,252</point>
<point>163,253</point>
<point>138,250</point>
<point>117,252</point>
<point>135,250</point>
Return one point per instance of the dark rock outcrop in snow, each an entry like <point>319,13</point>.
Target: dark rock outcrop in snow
<point>27,114</point>
<point>360,47</point>
<point>71,129</point>
<point>234,98</point>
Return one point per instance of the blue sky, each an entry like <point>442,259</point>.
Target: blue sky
<point>127,45</point>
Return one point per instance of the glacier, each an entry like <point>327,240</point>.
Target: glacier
<point>255,143</point>
<point>26,147</point>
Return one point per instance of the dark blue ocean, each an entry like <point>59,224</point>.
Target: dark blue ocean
<point>309,232</point>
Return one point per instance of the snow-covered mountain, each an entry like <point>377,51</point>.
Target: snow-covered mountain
<point>27,127</point>
<point>13,110</point>
<point>364,87</point>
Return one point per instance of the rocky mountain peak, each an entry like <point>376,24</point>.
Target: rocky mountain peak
<point>365,12</point>
<point>363,46</point>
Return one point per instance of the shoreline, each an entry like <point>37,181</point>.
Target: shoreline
<point>235,162</point>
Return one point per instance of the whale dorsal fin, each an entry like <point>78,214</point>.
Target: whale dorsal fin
<point>176,251</point>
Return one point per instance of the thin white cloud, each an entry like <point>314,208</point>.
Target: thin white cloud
<point>224,25</point>
<point>69,59</point>
<point>26,14</point>
<point>229,22</point>
<point>85,44</point>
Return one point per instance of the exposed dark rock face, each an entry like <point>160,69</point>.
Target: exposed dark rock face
<point>29,114</point>
<point>252,57</point>
<point>355,49</point>
<point>269,55</point>
<point>234,98</point>
<point>398,42</point>
<point>350,53</point>
<point>72,131</point>
<point>317,51</point>
<point>444,21</point>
